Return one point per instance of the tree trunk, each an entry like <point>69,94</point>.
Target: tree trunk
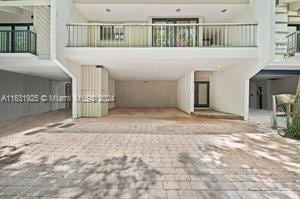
<point>296,116</point>
<point>298,88</point>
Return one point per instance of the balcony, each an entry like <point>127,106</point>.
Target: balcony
<point>17,41</point>
<point>203,35</point>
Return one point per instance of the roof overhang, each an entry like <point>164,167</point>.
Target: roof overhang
<point>161,1</point>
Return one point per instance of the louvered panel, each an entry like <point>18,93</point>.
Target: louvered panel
<point>90,86</point>
<point>42,28</point>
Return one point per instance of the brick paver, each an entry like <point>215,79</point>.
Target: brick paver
<point>150,158</point>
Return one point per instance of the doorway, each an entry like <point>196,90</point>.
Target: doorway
<point>260,97</point>
<point>202,94</point>
<point>166,35</point>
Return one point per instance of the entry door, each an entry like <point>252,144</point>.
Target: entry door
<point>201,94</point>
<point>260,94</point>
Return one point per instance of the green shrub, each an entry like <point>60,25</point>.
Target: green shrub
<point>294,129</point>
<point>292,132</point>
<point>296,114</point>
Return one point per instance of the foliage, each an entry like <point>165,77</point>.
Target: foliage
<point>294,129</point>
<point>292,132</point>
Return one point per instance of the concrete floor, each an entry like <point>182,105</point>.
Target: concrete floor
<point>260,116</point>
<point>147,112</point>
<point>29,122</point>
<point>149,156</point>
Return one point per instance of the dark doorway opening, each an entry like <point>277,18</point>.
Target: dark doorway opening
<point>202,94</point>
<point>260,97</point>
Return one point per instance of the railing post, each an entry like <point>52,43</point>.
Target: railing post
<point>35,45</point>
<point>7,41</point>
<point>28,41</point>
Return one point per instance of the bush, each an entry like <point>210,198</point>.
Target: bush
<point>292,132</point>
<point>296,116</point>
<point>294,129</point>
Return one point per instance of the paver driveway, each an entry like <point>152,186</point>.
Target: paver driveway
<point>149,157</point>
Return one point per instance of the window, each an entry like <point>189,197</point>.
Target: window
<point>112,33</point>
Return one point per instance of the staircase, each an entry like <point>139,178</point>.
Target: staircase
<point>281,30</point>
<point>286,42</point>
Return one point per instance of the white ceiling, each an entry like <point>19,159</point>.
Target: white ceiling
<point>170,70</point>
<point>30,65</point>
<point>154,69</point>
<point>141,12</point>
<point>162,1</point>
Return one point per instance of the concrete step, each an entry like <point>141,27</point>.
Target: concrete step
<point>209,113</point>
<point>282,32</point>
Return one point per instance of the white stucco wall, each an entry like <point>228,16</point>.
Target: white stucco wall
<point>63,12</point>
<point>149,94</point>
<point>264,13</point>
<point>230,88</point>
<point>185,93</point>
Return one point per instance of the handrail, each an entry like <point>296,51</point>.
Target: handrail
<point>293,43</point>
<point>18,41</point>
<point>153,24</point>
<point>161,35</point>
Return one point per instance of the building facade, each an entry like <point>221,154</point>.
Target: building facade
<point>197,54</point>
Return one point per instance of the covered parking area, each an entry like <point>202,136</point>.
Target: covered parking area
<point>266,84</point>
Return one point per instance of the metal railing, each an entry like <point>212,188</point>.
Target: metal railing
<point>293,43</point>
<point>161,35</point>
<point>18,41</point>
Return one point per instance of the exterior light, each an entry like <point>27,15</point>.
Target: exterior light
<point>219,66</point>
<point>108,10</point>
<point>224,10</point>
<point>178,10</point>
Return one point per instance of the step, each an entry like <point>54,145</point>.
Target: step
<point>215,115</point>
<point>281,12</point>
<point>281,9</point>
<point>282,32</point>
<point>293,13</point>
<point>281,22</point>
<point>281,43</point>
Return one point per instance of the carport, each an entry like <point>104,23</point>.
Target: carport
<point>266,84</point>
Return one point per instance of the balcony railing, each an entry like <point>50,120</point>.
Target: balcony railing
<point>293,43</point>
<point>161,35</point>
<point>18,41</point>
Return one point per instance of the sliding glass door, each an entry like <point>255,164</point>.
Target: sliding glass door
<point>174,33</point>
